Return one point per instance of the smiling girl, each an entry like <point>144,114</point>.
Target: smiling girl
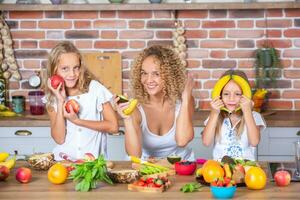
<point>235,131</point>
<point>162,124</point>
<point>85,132</point>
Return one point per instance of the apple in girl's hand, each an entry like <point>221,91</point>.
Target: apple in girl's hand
<point>56,80</point>
<point>4,172</point>
<point>282,178</point>
<point>23,175</point>
<point>74,104</point>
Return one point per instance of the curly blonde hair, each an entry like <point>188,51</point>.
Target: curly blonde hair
<point>52,64</point>
<point>171,71</point>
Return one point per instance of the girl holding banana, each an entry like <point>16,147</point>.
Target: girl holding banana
<point>232,125</point>
<point>162,123</point>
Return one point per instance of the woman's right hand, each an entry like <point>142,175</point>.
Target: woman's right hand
<point>216,104</point>
<point>119,107</point>
<point>59,92</point>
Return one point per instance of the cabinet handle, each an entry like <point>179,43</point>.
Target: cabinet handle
<point>23,133</point>
<point>120,132</point>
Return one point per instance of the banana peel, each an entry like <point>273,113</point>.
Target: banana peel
<point>132,105</point>
<point>246,89</point>
<point>9,163</point>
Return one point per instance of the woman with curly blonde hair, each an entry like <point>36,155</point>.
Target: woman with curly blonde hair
<point>162,124</point>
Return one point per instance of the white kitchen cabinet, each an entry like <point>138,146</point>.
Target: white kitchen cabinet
<point>26,140</point>
<point>277,144</point>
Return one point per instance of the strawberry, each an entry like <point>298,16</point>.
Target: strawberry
<point>149,180</point>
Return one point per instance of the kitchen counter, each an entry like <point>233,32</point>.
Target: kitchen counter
<point>41,188</point>
<point>279,118</point>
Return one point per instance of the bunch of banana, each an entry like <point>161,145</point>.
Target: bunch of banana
<point>179,42</point>
<point>6,112</point>
<point>8,163</point>
<point>260,93</point>
<point>246,89</point>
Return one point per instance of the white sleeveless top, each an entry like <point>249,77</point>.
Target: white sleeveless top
<point>162,146</point>
<point>80,140</point>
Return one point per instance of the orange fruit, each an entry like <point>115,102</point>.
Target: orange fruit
<point>255,178</point>
<point>212,171</point>
<point>57,174</point>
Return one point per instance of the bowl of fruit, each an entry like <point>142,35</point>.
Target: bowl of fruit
<point>185,167</point>
<point>223,188</point>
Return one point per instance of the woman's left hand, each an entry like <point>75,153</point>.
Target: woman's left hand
<point>246,104</point>
<point>188,88</point>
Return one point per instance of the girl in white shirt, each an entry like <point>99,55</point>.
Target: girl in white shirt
<point>234,132</point>
<point>162,124</point>
<point>85,132</point>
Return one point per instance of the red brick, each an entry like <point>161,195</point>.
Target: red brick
<point>80,34</point>
<point>82,24</point>
<point>193,63</point>
<point>13,85</point>
<point>274,33</point>
<point>28,44</point>
<point>274,94</point>
<point>276,43</point>
<point>31,64</point>
<point>292,12</point>
<point>109,34</point>
<point>48,44</point>
<point>291,94</point>
<point>216,74</point>
<point>20,92</point>
<point>110,24</point>
<point>53,14</point>
<point>274,13</point>
<point>292,33</point>
<point>25,15</point>
<point>217,34</point>
<point>296,84</point>
<point>209,84</point>
<point>217,13</point>
<point>285,63</point>
<point>81,14</point>
<point>192,24</point>
<point>108,14</point>
<point>136,34</point>
<point>296,63</point>
<point>130,14</point>
<point>291,53</point>
<point>245,33</point>
<point>115,44</point>
<point>297,43</point>
<point>26,73</point>
<point>197,85</point>
<point>192,14</point>
<point>245,24</point>
<point>217,44</point>
<point>137,44</point>
<point>55,24</point>
<point>240,53</point>
<point>291,73</point>
<point>217,54</point>
<point>274,23</point>
<point>218,24</point>
<point>164,34</point>
<point>28,24</point>
<point>280,105</point>
<point>162,14</point>
<point>204,105</point>
<point>130,54</point>
<point>137,24</point>
<point>28,34</point>
<point>200,74</point>
<point>245,44</point>
<point>84,44</point>
<point>196,33</point>
<point>160,24</point>
<point>246,63</point>
<point>192,43</point>
<point>198,53</point>
<point>297,105</point>
<point>246,13</point>
<point>219,63</point>
<point>16,44</point>
<point>160,42</point>
<point>201,94</point>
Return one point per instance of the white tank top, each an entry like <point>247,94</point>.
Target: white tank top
<point>165,145</point>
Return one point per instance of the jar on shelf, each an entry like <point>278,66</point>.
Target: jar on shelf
<point>36,104</point>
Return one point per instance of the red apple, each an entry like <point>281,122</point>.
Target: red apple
<point>23,175</point>
<point>89,157</point>
<point>74,104</point>
<point>282,178</point>
<point>56,80</point>
<point>4,172</point>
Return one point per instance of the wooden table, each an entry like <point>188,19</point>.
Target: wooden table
<point>41,188</point>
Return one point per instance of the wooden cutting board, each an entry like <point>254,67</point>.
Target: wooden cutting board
<point>106,67</point>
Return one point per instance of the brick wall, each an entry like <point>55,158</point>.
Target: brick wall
<point>217,40</point>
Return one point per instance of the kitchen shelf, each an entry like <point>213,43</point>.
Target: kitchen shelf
<point>147,6</point>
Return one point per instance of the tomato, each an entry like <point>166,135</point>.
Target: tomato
<point>255,178</point>
<point>56,80</point>
<point>150,180</point>
<point>57,174</point>
<point>74,105</point>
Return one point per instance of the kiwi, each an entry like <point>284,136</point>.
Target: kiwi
<point>122,99</point>
<point>173,159</point>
